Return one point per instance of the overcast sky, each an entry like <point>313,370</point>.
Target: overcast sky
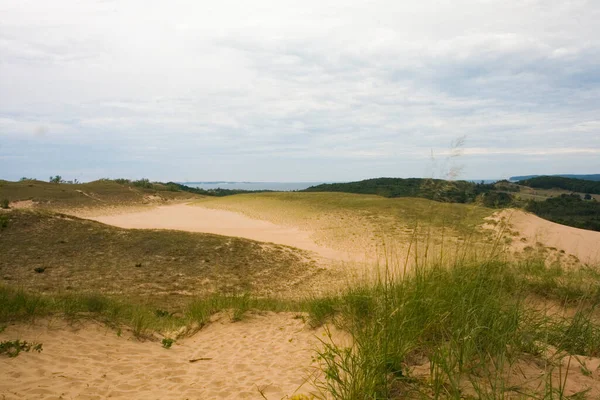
<point>298,90</point>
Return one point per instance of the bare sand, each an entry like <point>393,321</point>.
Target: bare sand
<point>271,353</point>
<point>581,243</point>
<point>199,219</point>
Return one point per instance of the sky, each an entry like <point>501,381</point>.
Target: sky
<point>298,90</point>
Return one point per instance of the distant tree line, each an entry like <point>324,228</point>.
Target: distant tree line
<point>145,183</point>
<point>432,189</point>
<point>568,209</point>
<point>557,182</point>
<point>56,179</point>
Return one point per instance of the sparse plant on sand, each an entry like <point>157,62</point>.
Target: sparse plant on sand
<point>4,204</point>
<point>167,343</point>
<point>12,348</point>
<point>3,221</point>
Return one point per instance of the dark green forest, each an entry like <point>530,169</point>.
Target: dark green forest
<point>558,182</point>
<point>568,209</point>
<point>432,189</point>
<point>587,177</point>
<point>211,192</point>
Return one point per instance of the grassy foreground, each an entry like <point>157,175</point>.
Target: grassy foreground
<point>465,332</point>
<point>488,330</point>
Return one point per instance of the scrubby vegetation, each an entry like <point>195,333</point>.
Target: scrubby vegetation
<point>141,318</point>
<point>51,253</point>
<point>461,332</point>
<point>209,192</point>
<point>433,189</point>
<point>12,348</point>
<point>99,193</point>
<point>465,330</point>
<point>569,210</point>
<point>557,182</point>
<point>59,193</point>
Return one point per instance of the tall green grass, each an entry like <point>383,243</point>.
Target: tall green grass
<point>470,322</point>
<point>143,320</point>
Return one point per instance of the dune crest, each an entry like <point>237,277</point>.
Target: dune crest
<point>220,222</point>
<point>581,243</point>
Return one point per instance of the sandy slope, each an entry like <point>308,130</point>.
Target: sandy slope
<point>581,243</point>
<point>220,222</point>
<point>271,352</point>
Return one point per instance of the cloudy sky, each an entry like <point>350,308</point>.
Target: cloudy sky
<point>298,90</point>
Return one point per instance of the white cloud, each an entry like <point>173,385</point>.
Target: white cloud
<point>379,82</point>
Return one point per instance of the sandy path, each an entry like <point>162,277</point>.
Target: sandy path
<point>582,243</point>
<point>270,352</point>
<point>199,219</point>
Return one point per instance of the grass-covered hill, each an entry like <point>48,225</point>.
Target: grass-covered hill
<point>100,193</point>
<point>93,194</point>
<point>52,253</point>
<point>558,182</point>
<point>432,189</point>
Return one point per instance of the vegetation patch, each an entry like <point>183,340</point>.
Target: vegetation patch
<point>51,253</point>
<point>12,348</point>
<point>568,209</point>
<point>432,189</point>
<point>454,333</point>
<point>558,182</point>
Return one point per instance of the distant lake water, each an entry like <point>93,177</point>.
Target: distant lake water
<point>277,186</point>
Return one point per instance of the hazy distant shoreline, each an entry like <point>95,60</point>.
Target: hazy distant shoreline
<point>276,186</point>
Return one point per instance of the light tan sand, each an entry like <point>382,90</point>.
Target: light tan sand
<point>581,243</point>
<point>23,204</point>
<point>199,219</point>
<point>272,352</point>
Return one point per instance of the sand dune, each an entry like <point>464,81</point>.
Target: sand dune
<point>581,243</point>
<point>271,353</point>
<point>199,219</point>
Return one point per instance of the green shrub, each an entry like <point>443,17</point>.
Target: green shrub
<point>4,221</point>
<point>143,183</point>
<point>4,203</point>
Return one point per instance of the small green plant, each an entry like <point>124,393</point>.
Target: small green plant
<point>4,204</point>
<point>140,324</point>
<point>167,343</point>
<point>241,306</point>
<point>162,313</point>
<point>3,221</point>
<point>12,348</point>
<point>320,310</point>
